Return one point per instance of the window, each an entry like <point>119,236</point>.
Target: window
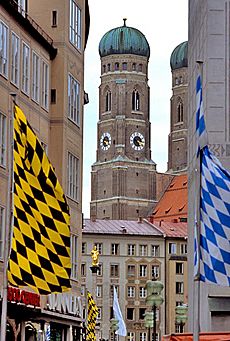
<point>141,313</point>
<point>143,270</point>
<point>131,249</point>
<point>2,140</point>
<point>155,271</point>
<point>135,100</point>
<point>180,109</point>
<point>108,101</point>
<point>155,250</point>
<point>45,85</point>
<point>131,271</point>
<point>83,270</point>
<point>25,68</point>
<point>99,291</point>
<point>179,268</point>
<point>4,49</point>
<point>73,176</point>
<point>143,250</point>
<point>74,257</point>
<point>35,77</point>
<point>114,249</point>
<point>116,66</point>
<point>15,59</point>
<point>183,249</point>
<point>114,270</point>
<point>134,66</point>
<point>99,315</point>
<point>124,66</point>
<point>100,269</point>
<point>45,147</point>
<point>172,248</point>
<point>22,6</point>
<point>75,25</point>
<point>54,18</point>
<point>142,292</point>
<point>99,247</point>
<point>140,67</point>
<point>131,336</point>
<point>143,336</point>
<point>83,248</point>
<point>131,292</point>
<point>179,328</point>
<point>179,287</point>
<point>111,290</point>
<point>109,67</point>
<point>130,313</point>
<point>2,231</point>
<point>73,99</point>
<point>83,290</point>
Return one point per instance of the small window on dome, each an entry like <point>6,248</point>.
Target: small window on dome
<point>116,67</point>
<point>140,67</point>
<point>134,66</point>
<point>108,67</point>
<point>104,68</point>
<point>124,66</point>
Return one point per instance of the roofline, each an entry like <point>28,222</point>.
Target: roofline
<point>30,26</point>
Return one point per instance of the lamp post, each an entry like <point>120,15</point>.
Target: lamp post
<point>181,315</point>
<point>114,326</point>
<point>154,299</point>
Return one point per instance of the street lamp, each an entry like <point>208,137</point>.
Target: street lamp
<point>181,315</point>
<point>114,326</point>
<point>154,299</point>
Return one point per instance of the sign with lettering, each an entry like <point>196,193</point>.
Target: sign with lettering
<point>66,303</point>
<point>22,296</point>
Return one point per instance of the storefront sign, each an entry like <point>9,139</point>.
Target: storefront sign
<point>22,296</point>
<point>65,303</point>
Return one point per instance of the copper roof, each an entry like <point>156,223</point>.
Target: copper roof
<point>173,205</point>
<point>120,227</point>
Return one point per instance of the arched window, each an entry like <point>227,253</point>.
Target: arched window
<point>124,66</point>
<point>116,66</point>
<point>180,111</point>
<point>135,100</point>
<point>108,101</point>
<point>108,67</point>
<point>134,66</point>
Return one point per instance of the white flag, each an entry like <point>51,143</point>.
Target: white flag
<point>118,316</point>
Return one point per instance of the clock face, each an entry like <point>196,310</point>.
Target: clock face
<point>137,141</point>
<point>105,141</point>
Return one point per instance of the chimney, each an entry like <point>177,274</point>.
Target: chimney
<point>140,220</point>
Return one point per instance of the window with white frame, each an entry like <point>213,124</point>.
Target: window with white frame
<point>22,6</point>
<point>131,249</point>
<point>83,290</point>
<point>83,248</point>
<point>131,292</point>
<point>25,68</point>
<point>135,100</point>
<point>155,250</point>
<point>99,291</point>
<point>83,269</point>
<point>143,336</point>
<point>142,292</point>
<point>35,76</point>
<point>4,53</point>
<point>130,314</point>
<point>179,287</point>
<point>99,315</point>
<point>114,270</point>
<point>179,268</point>
<point>114,249</point>
<point>73,100</point>
<point>2,230</point>
<point>183,248</point>
<point>75,31</point>
<point>155,271</point>
<point>2,140</point>
<point>100,269</point>
<point>131,336</point>
<point>15,66</point>
<point>131,271</point>
<point>45,85</point>
<point>112,290</point>
<point>73,177</point>
<point>143,250</point>
<point>74,257</point>
<point>99,247</point>
<point>172,248</point>
<point>143,270</point>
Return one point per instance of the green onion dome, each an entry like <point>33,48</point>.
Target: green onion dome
<point>124,40</point>
<point>179,56</point>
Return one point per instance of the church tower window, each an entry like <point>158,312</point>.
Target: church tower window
<point>124,66</point>
<point>180,113</point>
<point>135,100</point>
<point>108,101</point>
<point>116,67</point>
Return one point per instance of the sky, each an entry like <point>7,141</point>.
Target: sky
<point>165,25</point>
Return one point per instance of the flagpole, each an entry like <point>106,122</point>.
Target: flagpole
<point>8,218</point>
<point>196,288</point>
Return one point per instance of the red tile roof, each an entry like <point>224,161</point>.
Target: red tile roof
<point>173,205</point>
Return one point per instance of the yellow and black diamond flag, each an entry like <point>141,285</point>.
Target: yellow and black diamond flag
<point>40,250</point>
<point>91,318</point>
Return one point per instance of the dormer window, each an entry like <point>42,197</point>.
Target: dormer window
<point>135,100</point>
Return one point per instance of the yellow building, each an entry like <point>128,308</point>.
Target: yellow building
<point>42,63</point>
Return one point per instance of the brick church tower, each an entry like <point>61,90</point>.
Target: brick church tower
<point>123,178</point>
<point>177,151</point>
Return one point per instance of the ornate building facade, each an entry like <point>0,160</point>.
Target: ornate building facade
<point>123,181</point>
